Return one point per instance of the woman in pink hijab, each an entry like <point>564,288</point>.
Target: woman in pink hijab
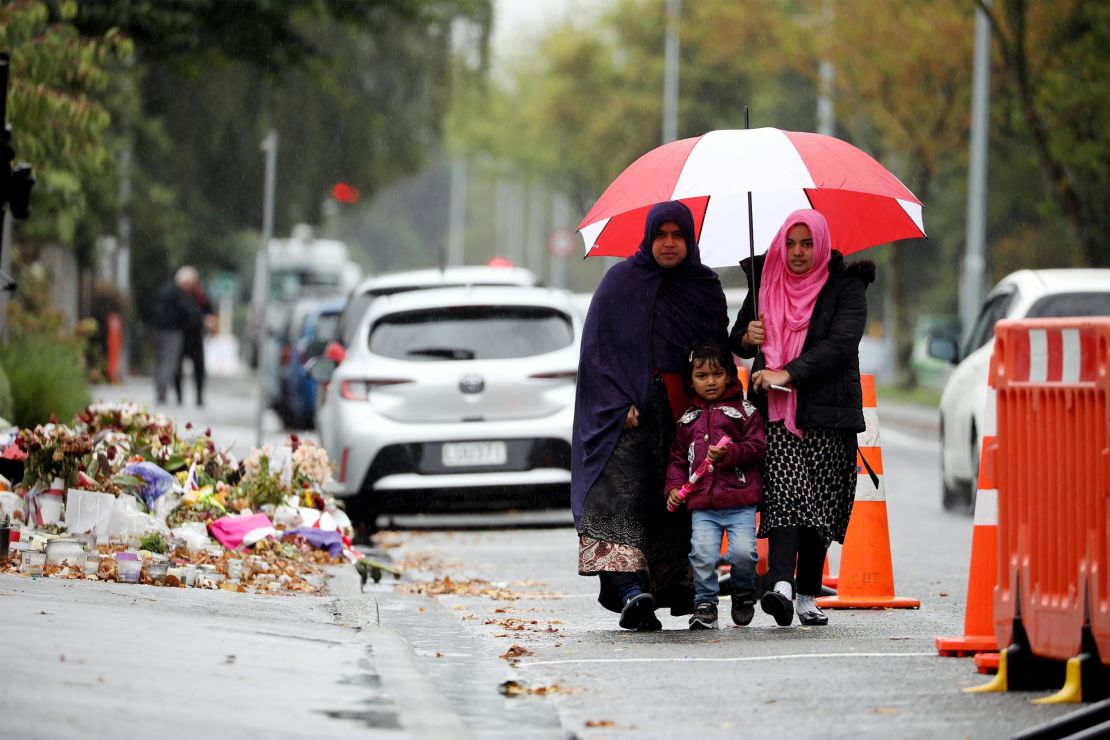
<point>805,382</point>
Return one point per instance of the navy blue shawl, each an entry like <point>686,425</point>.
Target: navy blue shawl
<point>642,316</point>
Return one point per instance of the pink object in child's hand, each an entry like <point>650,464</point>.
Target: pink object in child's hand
<point>698,474</point>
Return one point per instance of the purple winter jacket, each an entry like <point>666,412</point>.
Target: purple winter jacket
<point>735,481</point>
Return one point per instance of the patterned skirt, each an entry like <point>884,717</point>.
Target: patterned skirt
<point>625,526</point>
<point>808,481</point>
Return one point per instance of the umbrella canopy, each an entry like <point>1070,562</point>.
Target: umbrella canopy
<point>783,170</point>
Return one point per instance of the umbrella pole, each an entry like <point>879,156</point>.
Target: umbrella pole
<point>751,260</point>
<point>751,244</point>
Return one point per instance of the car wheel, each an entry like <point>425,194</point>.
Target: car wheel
<point>364,519</point>
<point>953,494</point>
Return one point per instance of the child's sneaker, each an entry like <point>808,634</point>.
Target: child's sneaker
<point>743,608</point>
<point>704,618</point>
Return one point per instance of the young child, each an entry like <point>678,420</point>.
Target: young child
<point>726,498</point>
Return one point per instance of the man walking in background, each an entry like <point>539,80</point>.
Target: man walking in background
<point>174,311</point>
<point>199,322</point>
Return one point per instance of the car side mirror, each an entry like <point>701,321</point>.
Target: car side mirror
<point>943,348</point>
<point>320,369</point>
<point>315,348</point>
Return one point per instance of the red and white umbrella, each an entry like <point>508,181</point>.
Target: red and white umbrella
<point>783,171</point>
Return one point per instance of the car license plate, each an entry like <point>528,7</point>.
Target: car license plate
<point>463,454</point>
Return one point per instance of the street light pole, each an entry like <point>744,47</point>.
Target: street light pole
<point>974,278</point>
<point>269,145</point>
<point>670,72</point>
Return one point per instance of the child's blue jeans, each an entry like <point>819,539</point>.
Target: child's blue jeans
<point>705,550</point>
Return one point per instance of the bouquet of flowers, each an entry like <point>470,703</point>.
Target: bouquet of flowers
<point>310,471</point>
<point>129,418</point>
<point>53,451</point>
<point>265,480</point>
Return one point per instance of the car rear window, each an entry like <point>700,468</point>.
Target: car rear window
<point>471,333</point>
<point>1071,304</point>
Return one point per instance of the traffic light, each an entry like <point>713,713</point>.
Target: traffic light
<point>344,193</point>
<point>17,190</point>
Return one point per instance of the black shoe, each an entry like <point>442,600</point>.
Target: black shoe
<point>704,618</point>
<point>743,608</point>
<point>650,623</point>
<point>636,611</point>
<point>812,616</point>
<point>779,607</point>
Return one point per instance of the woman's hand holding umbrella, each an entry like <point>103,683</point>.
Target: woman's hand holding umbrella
<point>755,334</point>
<point>767,379</point>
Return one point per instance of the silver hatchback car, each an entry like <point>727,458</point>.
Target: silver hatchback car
<point>454,399</point>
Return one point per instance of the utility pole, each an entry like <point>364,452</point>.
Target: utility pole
<point>826,76</point>
<point>974,278</point>
<point>670,72</point>
<point>269,146</point>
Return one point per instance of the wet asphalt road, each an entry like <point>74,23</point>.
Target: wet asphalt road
<point>869,673</point>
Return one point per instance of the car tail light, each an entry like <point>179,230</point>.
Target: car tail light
<point>359,390</point>
<point>335,351</point>
<point>571,375</point>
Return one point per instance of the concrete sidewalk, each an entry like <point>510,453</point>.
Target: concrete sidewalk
<point>93,659</point>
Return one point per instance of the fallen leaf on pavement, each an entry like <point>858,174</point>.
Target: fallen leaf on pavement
<point>472,587</point>
<point>516,651</point>
<point>516,688</point>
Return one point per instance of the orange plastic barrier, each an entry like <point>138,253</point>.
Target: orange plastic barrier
<point>866,578</point>
<point>982,574</point>
<point>114,341</point>
<point>1052,382</point>
<point>1052,448</point>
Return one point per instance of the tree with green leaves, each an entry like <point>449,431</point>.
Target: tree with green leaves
<point>59,121</point>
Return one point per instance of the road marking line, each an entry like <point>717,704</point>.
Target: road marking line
<point>736,659</point>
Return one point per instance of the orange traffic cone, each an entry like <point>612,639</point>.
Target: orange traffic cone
<point>987,662</point>
<point>982,574</point>
<point>866,573</point>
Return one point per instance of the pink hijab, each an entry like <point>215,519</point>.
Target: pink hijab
<point>786,301</point>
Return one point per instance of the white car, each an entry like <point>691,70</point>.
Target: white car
<point>454,398</point>
<point>1022,294</point>
<point>391,283</point>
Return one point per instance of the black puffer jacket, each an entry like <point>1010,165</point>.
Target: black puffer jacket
<point>826,373</point>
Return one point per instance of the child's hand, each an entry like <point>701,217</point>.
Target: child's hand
<point>717,454</point>
<point>673,499</point>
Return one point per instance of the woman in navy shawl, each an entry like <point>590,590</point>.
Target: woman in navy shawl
<point>644,317</point>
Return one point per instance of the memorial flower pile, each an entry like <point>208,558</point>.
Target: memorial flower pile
<point>137,479</point>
